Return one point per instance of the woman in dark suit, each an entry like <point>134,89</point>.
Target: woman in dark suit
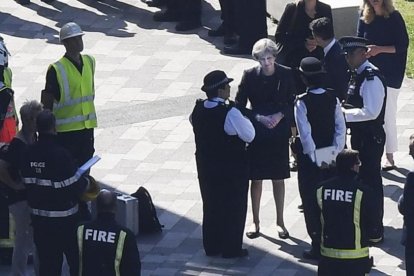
<point>269,87</point>
<point>294,35</point>
<point>384,27</point>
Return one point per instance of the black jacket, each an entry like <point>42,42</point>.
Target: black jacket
<point>49,174</point>
<point>99,241</point>
<point>337,76</point>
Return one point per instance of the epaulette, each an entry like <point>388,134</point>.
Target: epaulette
<point>299,97</point>
<point>370,73</point>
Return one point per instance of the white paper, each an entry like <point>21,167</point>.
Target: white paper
<point>326,155</point>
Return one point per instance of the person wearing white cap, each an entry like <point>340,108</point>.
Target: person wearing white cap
<point>69,93</point>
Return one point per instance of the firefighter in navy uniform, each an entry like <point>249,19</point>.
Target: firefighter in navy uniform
<point>53,191</point>
<point>364,113</point>
<point>346,214</point>
<point>105,247</point>
<point>221,133</point>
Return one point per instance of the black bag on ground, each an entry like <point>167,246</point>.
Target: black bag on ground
<point>148,220</point>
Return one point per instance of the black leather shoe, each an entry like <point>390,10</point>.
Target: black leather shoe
<point>236,49</point>
<point>376,241</point>
<point>242,253</point>
<point>184,26</point>
<point>311,254</point>
<point>217,32</point>
<point>165,16</point>
<point>212,253</point>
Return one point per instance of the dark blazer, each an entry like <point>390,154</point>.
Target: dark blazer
<point>293,29</point>
<point>251,88</point>
<point>337,71</point>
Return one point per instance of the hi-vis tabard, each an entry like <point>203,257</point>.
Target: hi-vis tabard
<point>7,76</point>
<point>102,238</point>
<point>75,109</point>
<point>348,204</point>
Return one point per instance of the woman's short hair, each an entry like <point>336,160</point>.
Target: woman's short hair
<point>262,47</point>
<point>368,13</point>
<point>29,111</point>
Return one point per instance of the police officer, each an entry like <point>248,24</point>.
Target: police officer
<point>345,210</point>
<point>8,116</point>
<point>105,247</point>
<point>221,133</point>
<point>364,113</point>
<point>53,191</point>
<point>318,128</point>
<point>70,92</point>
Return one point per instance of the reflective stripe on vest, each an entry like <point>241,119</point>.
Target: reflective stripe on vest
<point>344,253</point>
<point>49,183</point>
<point>75,109</point>
<point>9,243</point>
<point>357,218</point>
<point>118,253</point>
<point>80,247</point>
<point>55,214</point>
<point>119,250</point>
<point>7,77</point>
<point>320,203</point>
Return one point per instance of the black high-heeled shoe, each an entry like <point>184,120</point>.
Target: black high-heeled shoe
<point>283,234</point>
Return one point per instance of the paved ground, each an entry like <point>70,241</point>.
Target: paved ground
<point>147,80</point>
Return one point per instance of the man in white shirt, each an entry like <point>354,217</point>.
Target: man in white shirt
<point>364,112</point>
<point>318,128</point>
<point>221,136</point>
<point>334,63</point>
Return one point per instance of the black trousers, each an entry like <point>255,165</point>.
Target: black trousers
<point>309,177</point>
<point>187,10</point>
<point>251,21</point>
<point>80,143</point>
<point>224,198</point>
<point>54,237</point>
<point>346,267</point>
<point>228,16</point>
<point>370,144</point>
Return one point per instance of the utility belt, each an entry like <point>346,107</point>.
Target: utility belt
<point>373,129</point>
<point>55,214</point>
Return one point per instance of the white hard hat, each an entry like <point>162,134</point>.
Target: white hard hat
<point>4,53</point>
<point>69,30</point>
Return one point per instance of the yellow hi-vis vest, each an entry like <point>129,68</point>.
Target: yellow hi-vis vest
<point>7,76</point>
<point>75,109</point>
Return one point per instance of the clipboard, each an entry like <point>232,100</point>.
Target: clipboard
<point>327,155</point>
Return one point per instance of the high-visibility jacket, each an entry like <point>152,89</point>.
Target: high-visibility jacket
<point>346,216</point>
<point>75,109</point>
<point>8,118</point>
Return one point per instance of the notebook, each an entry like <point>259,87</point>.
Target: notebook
<point>326,155</point>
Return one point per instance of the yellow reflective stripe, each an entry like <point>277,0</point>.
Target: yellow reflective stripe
<point>119,251</point>
<point>9,243</point>
<point>70,102</point>
<point>344,253</point>
<point>320,203</point>
<point>65,80</point>
<point>357,218</point>
<point>80,246</point>
<point>7,76</point>
<point>75,119</point>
